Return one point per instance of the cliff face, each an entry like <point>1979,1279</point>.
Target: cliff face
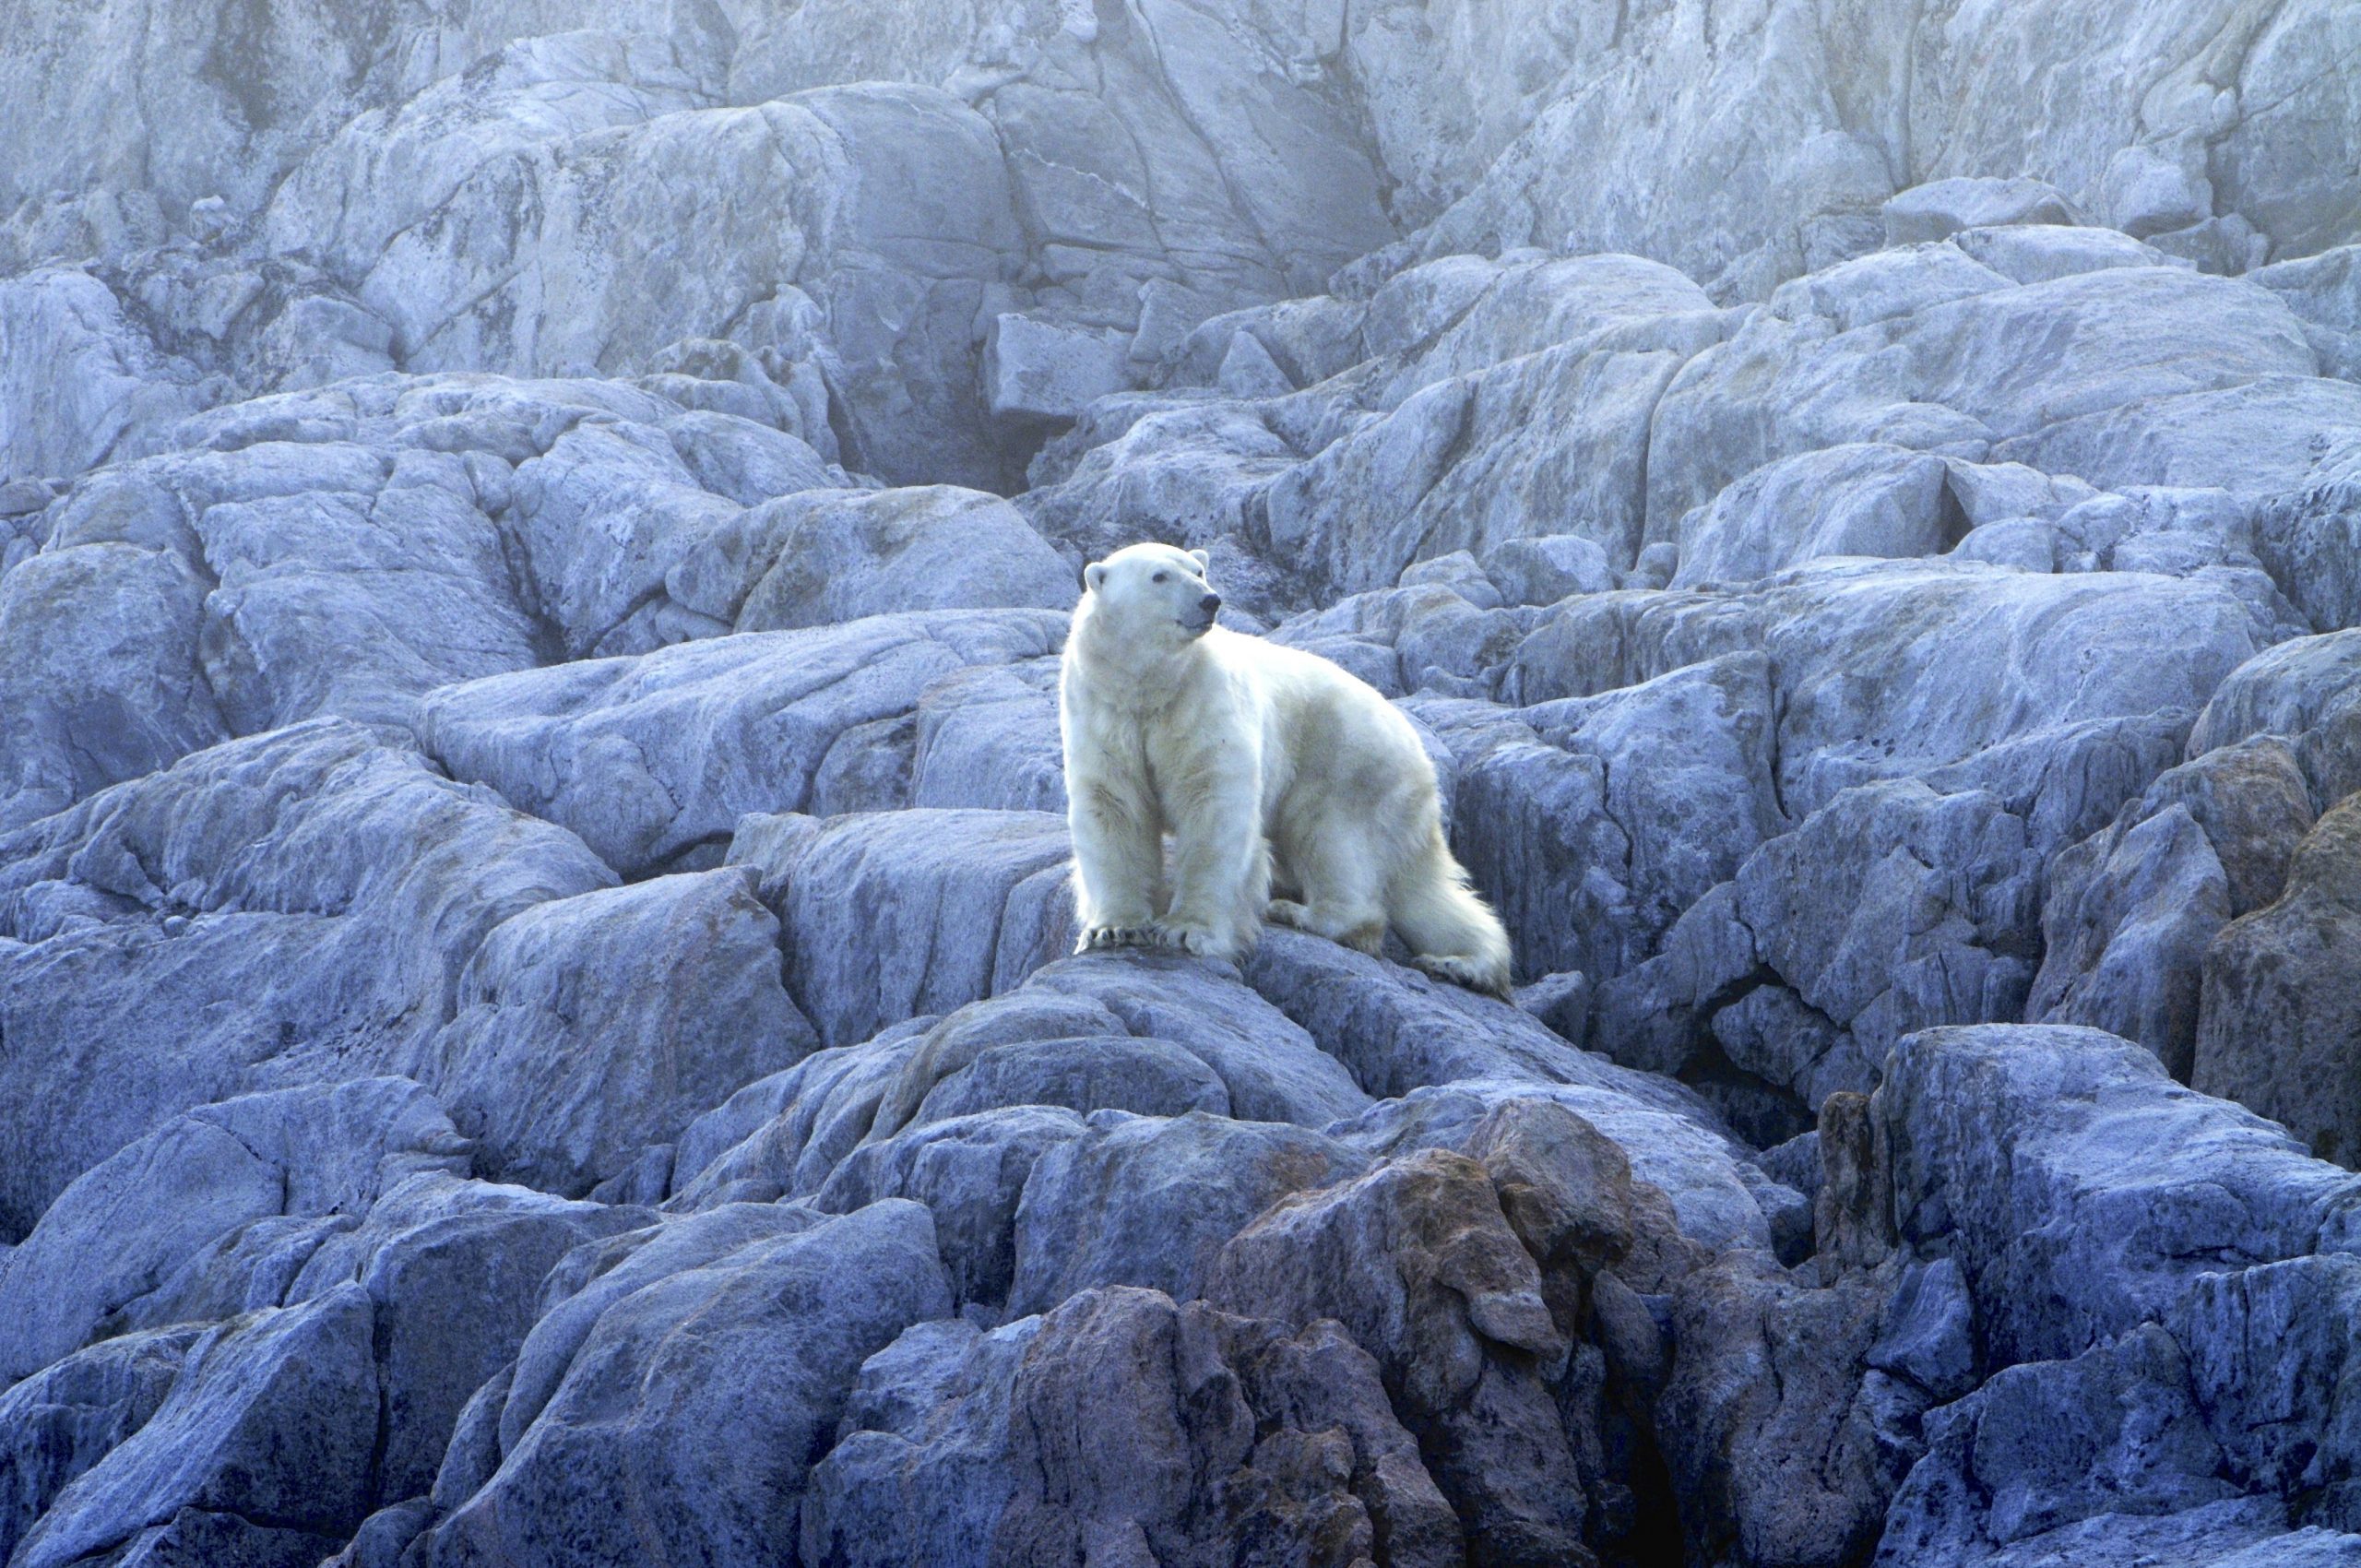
<point>534,1015</point>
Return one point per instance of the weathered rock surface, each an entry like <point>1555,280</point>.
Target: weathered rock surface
<point>294,909</point>
<point>700,1393</point>
<point>653,760</point>
<point>2280,1023</point>
<point>537,1019</point>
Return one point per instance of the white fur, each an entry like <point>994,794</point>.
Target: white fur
<point>1267,767</point>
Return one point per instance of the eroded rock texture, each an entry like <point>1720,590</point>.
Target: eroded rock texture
<point>536,1014</point>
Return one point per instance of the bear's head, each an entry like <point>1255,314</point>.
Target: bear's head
<point>1150,597</point>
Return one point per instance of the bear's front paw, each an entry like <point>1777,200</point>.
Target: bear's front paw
<point>1108,938</point>
<point>1287,912</point>
<point>1197,941</point>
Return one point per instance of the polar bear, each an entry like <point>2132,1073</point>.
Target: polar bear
<point>1269,767</point>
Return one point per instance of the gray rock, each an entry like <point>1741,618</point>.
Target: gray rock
<point>1035,370</point>
<point>2250,1532</point>
<point>1890,909</point>
<point>1850,499</point>
<point>1716,1201</point>
<point>1592,823</point>
<point>971,1171</point>
<point>346,551</point>
<point>1803,543</point>
<point>1591,171</point>
<point>1152,1011</point>
<point>786,1133</point>
<point>454,1271</point>
<point>61,1422</point>
<point>2036,252</point>
<point>2115,1432</point>
<point>1545,570</point>
<point>271,1417</point>
<point>106,1255</point>
<point>585,1283</point>
<point>696,1402</point>
<point>103,389</point>
<point>1418,1264</point>
<point>888,915</point>
<point>1773,1420</point>
<point>656,759</point>
<point>1928,1336</point>
<point>1150,1201</point>
<point>2274,1378</point>
<point>1893,667</point>
<point>2307,689</point>
<point>1942,207</point>
<point>1146,1076</point>
<point>988,737</point>
<point>1560,1001</point>
<point>820,557</point>
<point>291,909</point>
<point>2105,407</point>
<point>1457,572</point>
<point>860,234</point>
<point>1826,905</point>
<point>589,1027</point>
<point>2131,913</point>
<point>1471,450</point>
<point>2081,1190</point>
<point>2325,290</point>
<point>384,1535</point>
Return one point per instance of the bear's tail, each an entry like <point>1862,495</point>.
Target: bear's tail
<point>1451,933</point>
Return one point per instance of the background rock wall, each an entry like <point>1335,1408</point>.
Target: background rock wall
<point>534,1014</point>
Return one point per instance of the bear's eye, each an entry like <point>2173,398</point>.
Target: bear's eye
<point>1159,576</point>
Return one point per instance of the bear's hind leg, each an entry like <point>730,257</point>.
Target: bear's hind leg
<point>1452,934</point>
<point>1362,933</point>
<point>1342,896</point>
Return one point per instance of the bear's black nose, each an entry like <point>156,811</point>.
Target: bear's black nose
<point>1210,603</point>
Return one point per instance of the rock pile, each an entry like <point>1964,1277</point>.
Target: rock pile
<point>535,1015</point>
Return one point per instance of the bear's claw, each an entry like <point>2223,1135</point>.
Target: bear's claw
<point>1108,938</point>
<point>1194,940</point>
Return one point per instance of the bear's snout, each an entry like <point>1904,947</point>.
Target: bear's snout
<point>1209,604</point>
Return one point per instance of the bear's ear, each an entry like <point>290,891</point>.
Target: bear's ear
<point>1202,559</point>
<point>1094,576</point>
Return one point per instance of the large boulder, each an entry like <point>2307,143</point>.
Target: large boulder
<point>588,1029</point>
<point>899,228</point>
<point>888,915</point>
<point>2279,1023</point>
<point>268,1433</point>
<point>107,1255</point>
<point>62,1420</point>
<point>294,909</point>
<point>653,760</point>
<point>816,558</point>
<point>961,1447</point>
<point>1418,1263</point>
<point>2130,912</point>
<point>2081,1190</point>
<point>697,1401</point>
<point>80,381</point>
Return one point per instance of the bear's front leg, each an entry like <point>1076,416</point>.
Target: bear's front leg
<point>1118,858</point>
<point>1221,867</point>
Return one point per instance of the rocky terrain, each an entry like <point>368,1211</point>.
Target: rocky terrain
<point>535,1022</point>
